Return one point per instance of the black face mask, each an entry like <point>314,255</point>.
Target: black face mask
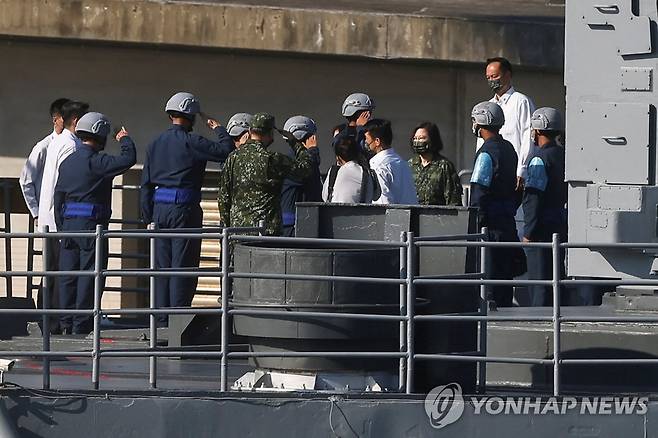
<point>421,146</point>
<point>495,84</point>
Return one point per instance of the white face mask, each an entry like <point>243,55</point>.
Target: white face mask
<point>534,137</point>
<point>476,130</point>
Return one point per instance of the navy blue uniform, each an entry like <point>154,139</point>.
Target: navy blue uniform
<point>173,172</point>
<point>493,191</point>
<point>544,201</point>
<point>293,191</point>
<point>83,200</point>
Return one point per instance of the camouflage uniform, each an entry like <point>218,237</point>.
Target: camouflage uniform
<point>437,183</point>
<point>251,180</point>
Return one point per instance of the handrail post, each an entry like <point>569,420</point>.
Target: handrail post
<point>226,290</point>
<point>30,258</point>
<point>484,311</point>
<point>555,249</point>
<point>402,374</point>
<point>153,328</point>
<point>411,300</point>
<point>45,320</point>
<point>98,286</point>
<point>7,212</point>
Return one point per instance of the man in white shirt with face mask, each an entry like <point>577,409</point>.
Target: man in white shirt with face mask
<point>393,173</point>
<point>59,149</point>
<point>518,109</point>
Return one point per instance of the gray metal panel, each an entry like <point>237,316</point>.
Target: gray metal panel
<point>319,263</point>
<point>269,262</point>
<point>397,221</point>
<point>608,214</point>
<point>631,34</point>
<point>382,263</point>
<point>611,144</point>
<point>579,340</point>
<point>340,221</point>
<point>376,222</point>
<point>145,415</point>
<point>609,67</point>
<point>636,79</point>
<point>442,261</point>
<point>308,221</point>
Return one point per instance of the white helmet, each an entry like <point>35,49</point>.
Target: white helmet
<point>93,123</point>
<point>184,103</point>
<point>357,102</point>
<point>488,114</point>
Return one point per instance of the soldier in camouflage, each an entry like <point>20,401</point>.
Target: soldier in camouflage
<point>250,183</point>
<point>436,179</point>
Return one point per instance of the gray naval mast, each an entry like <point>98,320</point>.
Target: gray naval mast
<point>611,146</point>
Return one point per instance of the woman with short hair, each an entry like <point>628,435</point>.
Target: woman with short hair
<point>436,179</point>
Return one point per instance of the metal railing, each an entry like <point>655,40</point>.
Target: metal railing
<point>33,252</point>
<point>407,280</point>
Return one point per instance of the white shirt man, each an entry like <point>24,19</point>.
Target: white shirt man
<point>59,149</point>
<point>32,173</point>
<point>395,179</point>
<point>394,174</point>
<point>518,109</point>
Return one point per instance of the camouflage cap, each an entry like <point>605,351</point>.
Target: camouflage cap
<point>262,122</point>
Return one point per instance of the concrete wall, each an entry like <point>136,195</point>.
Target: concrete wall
<point>466,31</point>
<point>131,85</point>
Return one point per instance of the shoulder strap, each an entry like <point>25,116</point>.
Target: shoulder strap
<point>365,175</point>
<point>333,173</point>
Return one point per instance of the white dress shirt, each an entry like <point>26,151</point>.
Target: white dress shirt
<point>518,109</point>
<point>32,172</point>
<point>395,179</point>
<point>60,148</point>
<point>347,187</point>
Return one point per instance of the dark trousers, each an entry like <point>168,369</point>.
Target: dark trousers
<point>540,267</point>
<point>505,263</point>
<point>52,264</point>
<point>176,254</point>
<point>288,231</point>
<point>78,254</point>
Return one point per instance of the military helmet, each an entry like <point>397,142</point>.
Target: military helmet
<point>357,102</point>
<point>183,103</point>
<point>488,114</point>
<point>546,119</point>
<point>300,127</point>
<point>239,124</point>
<point>263,122</point>
<point>93,123</point>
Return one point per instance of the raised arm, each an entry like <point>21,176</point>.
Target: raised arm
<point>113,165</point>
<point>208,150</point>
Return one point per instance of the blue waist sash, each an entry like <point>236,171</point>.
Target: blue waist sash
<point>288,219</point>
<point>86,210</point>
<point>164,195</point>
